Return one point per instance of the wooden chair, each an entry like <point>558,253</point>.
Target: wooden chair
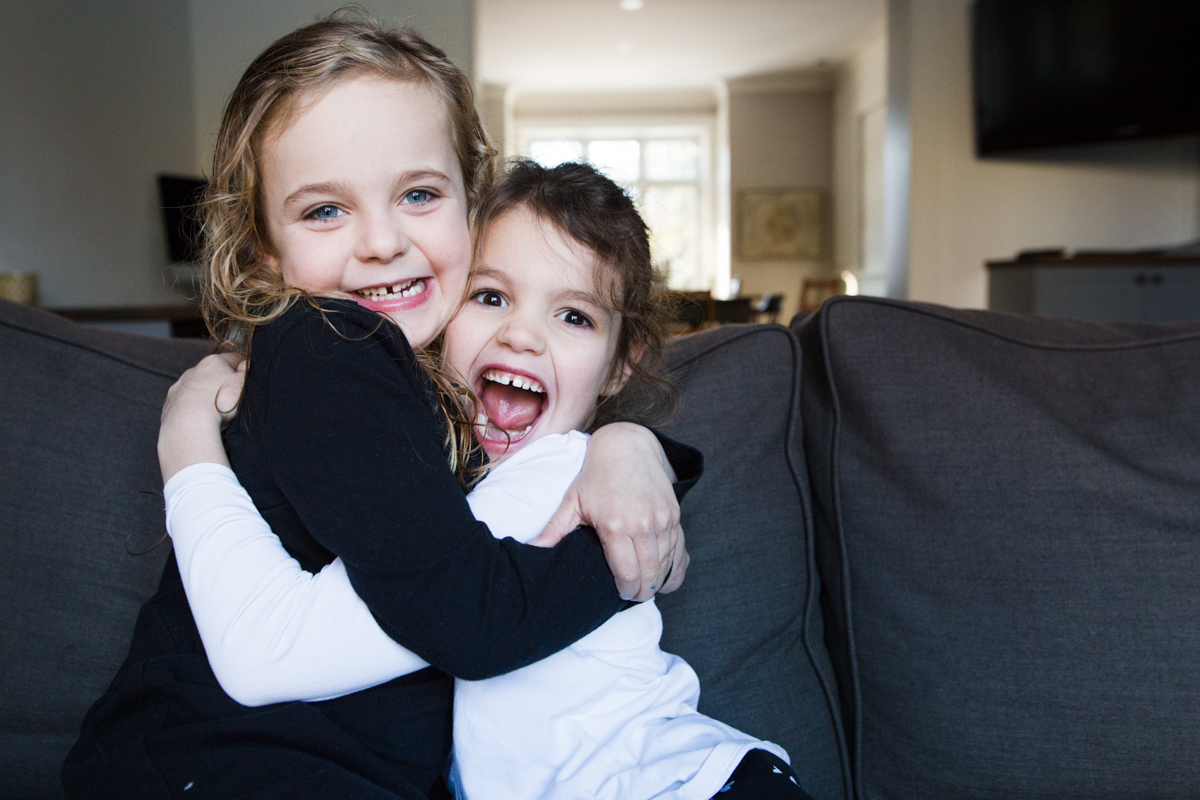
<point>815,291</point>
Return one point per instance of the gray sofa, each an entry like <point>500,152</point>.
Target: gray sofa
<point>936,553</point>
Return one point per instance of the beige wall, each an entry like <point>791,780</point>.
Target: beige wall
<point>98,98</point>
<point>860,98</point>
<point>964,210</point>
<point>781,136</point>
<point>94,103</point>
<point>228,34</point>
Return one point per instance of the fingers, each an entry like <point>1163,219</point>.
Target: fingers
<point>232,360</point>
<point>565,520</point>
<point>680,562</point>
<point>621,552</point>
<point>640,551</point>
<point>230,393</point>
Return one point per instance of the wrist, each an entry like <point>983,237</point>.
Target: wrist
<point>640,442</point>
<point>179,449</point>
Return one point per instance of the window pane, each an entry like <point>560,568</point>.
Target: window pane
<point>673,215</point>
<point>673,160</point>
<point>616,158</point>
<point>552,152</point>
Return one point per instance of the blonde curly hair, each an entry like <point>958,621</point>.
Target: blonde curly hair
<point>241,291</point>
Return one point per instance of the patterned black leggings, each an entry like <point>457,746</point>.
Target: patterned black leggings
<point>762,776</point>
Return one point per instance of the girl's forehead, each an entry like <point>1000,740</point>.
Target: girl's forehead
<point>355,89</point>
<point>364,128</point>
<point>520,240</point>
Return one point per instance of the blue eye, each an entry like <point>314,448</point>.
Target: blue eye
<point>326,211</point>
<point>417,197</point>
<point>573,317</point>
<point>488,297</point>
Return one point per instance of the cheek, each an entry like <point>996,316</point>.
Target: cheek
<point>464,339</point>
<point>452,253</point>
<point>313,267</point>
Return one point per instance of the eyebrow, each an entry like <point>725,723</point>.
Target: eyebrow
<point>338,187</point>
<point>590,298</point>
<point>489,273</point>
<point>484,272</point>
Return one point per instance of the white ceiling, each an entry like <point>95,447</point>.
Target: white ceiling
<point>595,45</point>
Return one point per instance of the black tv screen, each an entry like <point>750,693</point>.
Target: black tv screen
<point>1064,72</point>
<point>181,198</point>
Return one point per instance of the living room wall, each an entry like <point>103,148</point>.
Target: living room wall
<point>96,102</point>
<point>781,137</point>
<point>964,210</point>
<point>99,98</point>
<point>228,34</point>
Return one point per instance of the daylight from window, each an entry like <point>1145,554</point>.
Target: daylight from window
<point>665,176</point>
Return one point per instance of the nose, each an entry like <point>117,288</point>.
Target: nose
<point>522,332</point>
<point>381,238</point>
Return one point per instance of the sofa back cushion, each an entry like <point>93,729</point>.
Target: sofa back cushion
<point>747,617</point>
<point>1007,512</point>
<point>80,498</point>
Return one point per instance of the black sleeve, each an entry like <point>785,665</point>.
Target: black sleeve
<point>353,445</point>
<point>687,461</point>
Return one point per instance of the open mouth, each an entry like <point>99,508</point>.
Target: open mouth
<point>399,291</point>
<point>511,405</point>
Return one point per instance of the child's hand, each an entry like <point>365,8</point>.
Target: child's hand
<point>624,492</point>
<point>204,398</point>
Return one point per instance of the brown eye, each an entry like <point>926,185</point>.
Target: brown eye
<point>488,297</point>
<point>573,317</point>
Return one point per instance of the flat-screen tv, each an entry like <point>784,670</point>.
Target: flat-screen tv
<point>1066,72</point>
<point>181,198</point>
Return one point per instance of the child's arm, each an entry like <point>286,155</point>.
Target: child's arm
<point>272,631</point>
<point>203,398</point>
<point>473,610</point>
<point>625,490</point>
<point>320,639</point>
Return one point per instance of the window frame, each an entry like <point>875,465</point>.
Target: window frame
<point>589,128</point>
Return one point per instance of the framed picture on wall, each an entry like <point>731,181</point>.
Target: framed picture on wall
<point>779,224</point>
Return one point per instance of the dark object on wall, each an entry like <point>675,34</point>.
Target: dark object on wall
<point>181,198</point>
<point>1066,72</point>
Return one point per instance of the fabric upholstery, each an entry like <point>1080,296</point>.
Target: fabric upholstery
<point>80,495</point>
<point>1007,518</point>
<point>747,617</point>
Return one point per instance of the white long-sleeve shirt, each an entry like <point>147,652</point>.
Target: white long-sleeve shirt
<point>611,716</point>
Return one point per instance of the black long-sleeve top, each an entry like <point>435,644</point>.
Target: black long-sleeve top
<point>337,440</point>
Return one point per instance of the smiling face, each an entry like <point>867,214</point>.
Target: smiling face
<point>534,339</point>
<point>363,195</point>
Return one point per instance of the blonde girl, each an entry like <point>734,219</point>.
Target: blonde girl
<point>348,160</point>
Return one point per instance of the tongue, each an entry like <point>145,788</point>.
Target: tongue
<point>510,408</point>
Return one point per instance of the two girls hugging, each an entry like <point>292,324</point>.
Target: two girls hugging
<point>413,329</point>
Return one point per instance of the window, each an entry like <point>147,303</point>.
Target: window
<point>666,169</point>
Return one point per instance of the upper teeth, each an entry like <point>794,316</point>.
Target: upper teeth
<point>406,289</point>
<point>519,381</point>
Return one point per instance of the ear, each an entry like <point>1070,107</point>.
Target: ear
<point>617,382</point>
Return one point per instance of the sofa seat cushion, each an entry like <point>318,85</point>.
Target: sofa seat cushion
<point>1007,513</point>
<point>80,499</point>
<point>747,617</point>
